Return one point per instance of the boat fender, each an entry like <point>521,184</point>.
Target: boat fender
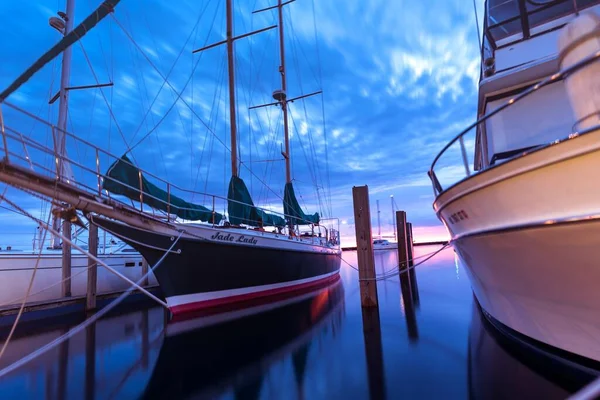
<point>578,40</point>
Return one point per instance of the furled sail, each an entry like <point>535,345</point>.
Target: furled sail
<point>292,208</point>
<point>126,181</point>
<point>247,213</point>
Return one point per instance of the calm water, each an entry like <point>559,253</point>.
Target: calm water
<point>318,345</point>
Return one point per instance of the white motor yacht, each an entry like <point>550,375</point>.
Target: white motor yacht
<point>525,216</point>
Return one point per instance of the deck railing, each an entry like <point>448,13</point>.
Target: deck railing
<point>37,151</point>
<point>438,188</point>
<point>529,17</point>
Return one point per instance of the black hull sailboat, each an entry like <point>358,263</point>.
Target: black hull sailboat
<point>220,260</point>
<point>202,357</point>
<point>201,258</point>
<point>211,267</point>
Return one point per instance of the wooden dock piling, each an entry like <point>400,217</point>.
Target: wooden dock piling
<point>90,303</point>
<point>66,260</point>
<point>412,273</point>
<point>364,244</point>
<point>374,352</point>
<point>90,361</point>
<point>403,257</point>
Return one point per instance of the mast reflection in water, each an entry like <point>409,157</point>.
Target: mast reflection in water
<point>206,356</point>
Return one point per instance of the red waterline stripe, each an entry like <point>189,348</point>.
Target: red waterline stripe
<point>242,298</point>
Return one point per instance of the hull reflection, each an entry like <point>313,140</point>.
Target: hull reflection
<point>208,356</point>
<point>500,365</point>
<point>98,362</point>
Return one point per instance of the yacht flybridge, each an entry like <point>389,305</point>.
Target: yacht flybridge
<point>525,217</point>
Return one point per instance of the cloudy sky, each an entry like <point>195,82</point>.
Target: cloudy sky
<point>399,80</point>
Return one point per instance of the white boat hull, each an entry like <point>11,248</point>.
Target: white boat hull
<point>391,246</point>
<point>16,271</point>
<point>528,231</point>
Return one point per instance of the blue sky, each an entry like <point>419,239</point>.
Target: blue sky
<point>399,80</point>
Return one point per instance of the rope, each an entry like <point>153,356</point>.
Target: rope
<point>72,332</point>
<point>37,262</point>
<point>392,272</point>
<point>50,286</point>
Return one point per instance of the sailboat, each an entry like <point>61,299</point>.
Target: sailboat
<point>380,243</point>
<point>201,258</point>
<point>220,263</point>
<point>17,263</point>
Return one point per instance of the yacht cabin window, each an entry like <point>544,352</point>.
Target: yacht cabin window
<point>514,19</point>
<point>538,119</point>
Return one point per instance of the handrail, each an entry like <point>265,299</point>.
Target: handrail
<point>438,189</point>
<point>10,133</point>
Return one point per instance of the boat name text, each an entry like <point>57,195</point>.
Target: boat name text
<point>233,238</point>
<point>458,216</point>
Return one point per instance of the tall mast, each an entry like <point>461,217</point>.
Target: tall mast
<point>288,171</point>
<point>230,66</point>
<point>63,107</point>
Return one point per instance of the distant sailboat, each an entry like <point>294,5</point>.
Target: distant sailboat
<point>380,243</point>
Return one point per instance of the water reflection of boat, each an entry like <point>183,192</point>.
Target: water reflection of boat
<point>208,355</point>
<point>503,367</point>
<point>100,362</point>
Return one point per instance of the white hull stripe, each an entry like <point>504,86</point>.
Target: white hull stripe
<point>175,301</point>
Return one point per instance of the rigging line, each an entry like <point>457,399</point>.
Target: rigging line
<point>264,190</point>
<point>179,98</point>
<point>271,147</point>
<point>85,150</point>
<point>218,89</point>
<point>319,68</point>
<point>304,151</point>
<point>112,77</point>
<point>312,149</point>
<point>104,97</point>
<point>172,66</point>
<point>22,307</point>
<point>170,85</point>
<point>143,93</point>
<point>216,107</point>
<point>73,331</point>
<point>479,42</point>
<point>87,253</point>
<point>85,269</point>
<point>190,142</point>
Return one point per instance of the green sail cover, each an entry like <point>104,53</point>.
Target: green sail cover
<point>124,173</point>
<point>292,208</point>
<point>247,213</point>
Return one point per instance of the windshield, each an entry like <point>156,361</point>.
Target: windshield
<point>517,17</point>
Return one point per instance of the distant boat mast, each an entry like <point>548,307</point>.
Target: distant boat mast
<point>63,107</point>
<point>378,221</point>
<point>393,217</point>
